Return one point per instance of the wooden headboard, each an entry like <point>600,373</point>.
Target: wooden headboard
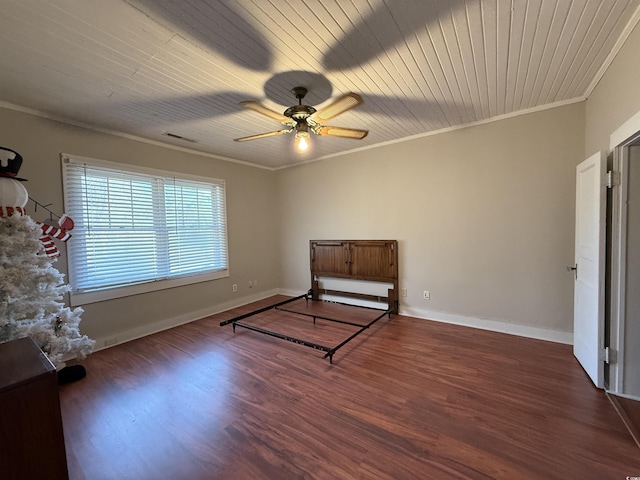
<point>368,260</point>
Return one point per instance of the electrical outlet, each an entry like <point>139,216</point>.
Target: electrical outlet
<point>426,295</point>
<point>250,284</point>
<point>403,292</point>
<point>255,283</point>
<point>235,287</point>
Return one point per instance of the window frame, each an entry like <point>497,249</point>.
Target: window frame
<point>108,293</point>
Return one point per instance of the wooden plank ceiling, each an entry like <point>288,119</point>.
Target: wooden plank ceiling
<point>151,67</point>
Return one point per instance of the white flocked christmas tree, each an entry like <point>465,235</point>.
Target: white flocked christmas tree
<point>31,289</point>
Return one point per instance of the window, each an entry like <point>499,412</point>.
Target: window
<point>138,230</point>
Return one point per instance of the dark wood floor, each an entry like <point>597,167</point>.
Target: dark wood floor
<point>407,399</point>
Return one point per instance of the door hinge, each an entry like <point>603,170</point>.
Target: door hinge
<point>608,355</point>
<point>613,179</point>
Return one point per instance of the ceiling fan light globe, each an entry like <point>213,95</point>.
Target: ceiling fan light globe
<point>302,144</point>
<point>302,140</point>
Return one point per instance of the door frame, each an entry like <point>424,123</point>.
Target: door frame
<point>620,141</point>
<point>617,259</point>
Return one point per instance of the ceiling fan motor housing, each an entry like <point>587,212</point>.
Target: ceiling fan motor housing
<point>302,127</point>
<point>299,112</point>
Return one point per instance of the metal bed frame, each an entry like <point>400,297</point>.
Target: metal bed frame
<point>329,351</point>
<point>364,260</point>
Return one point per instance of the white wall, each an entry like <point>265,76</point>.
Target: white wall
<point>483,216</point>
<point>251,212</point>
<point>616,98</point>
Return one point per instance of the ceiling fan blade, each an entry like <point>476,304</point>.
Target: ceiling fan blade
<point>341,132</point>
<point>258,107</point>
<point>340,105</point>
<point>263,135</point>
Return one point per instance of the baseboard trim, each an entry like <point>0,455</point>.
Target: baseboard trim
<point>291,293</point>
<point>548,334</point>
<point>624,396</point>
<point>124,336</point>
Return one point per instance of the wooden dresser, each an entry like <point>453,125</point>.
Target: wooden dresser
<point>31,436</point>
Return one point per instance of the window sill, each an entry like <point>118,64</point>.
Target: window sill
<point>78,299</point>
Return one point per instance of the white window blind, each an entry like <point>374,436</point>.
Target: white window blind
<point>135,226</point>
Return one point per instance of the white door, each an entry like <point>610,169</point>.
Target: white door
<point>588,301</point>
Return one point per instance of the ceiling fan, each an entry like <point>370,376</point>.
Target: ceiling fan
<point>304,119</point>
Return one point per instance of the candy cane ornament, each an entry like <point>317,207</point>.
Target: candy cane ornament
<point>50,232</point>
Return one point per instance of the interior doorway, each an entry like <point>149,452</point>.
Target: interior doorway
<point>622,373</point>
